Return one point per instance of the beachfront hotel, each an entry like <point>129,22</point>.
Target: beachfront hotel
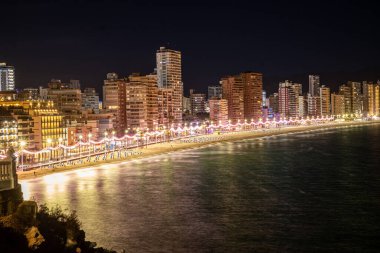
<point>244,95</point>
<point>169,75</point>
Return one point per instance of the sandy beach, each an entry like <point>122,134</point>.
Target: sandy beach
<point>193,142</point>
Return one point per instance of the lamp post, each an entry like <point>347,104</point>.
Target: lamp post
<point>22,145</point>
<point>49,143</point>
<point>89,146</point>
<point>113,139</point>
<point>63,151</point>
<point>80,142</point>
<point>105,140</point>
<point>126,138</point>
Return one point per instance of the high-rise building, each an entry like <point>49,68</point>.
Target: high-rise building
<point>218,110</point>
<point>337,104</point>
<point>253,94</point>
<point>314,106</point>
<point>7,77</point>
<point>356,96</point>
<point>273,102</point>
<point>325,100</point>
<point>198,102</point>
<point>376,100</point>
<point>186,105</point>
<point>169,75</point>
<point>110,92</point>
<point>264,99</point>
<point>90,100</point>
<point>244,95</point>
<point>233,92</point>
<point>65,99</point>
<point>314,85</point>
<point>288,101</point>
<point>302,108</point>
<point>138,103</point>
<point>165,106</point>
<point>215,91</point>
<point>371,99</point>
<point>345,91</point>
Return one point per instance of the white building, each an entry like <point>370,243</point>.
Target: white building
<point>7,77</point>
<point>314,85</point>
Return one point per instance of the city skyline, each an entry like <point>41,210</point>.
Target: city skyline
<point>288,41</point>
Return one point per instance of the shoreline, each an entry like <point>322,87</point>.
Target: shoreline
<point>190,143</point>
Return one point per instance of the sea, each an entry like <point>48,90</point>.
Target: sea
<point>315,191</point>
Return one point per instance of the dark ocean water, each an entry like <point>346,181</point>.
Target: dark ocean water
<point>306,192</point>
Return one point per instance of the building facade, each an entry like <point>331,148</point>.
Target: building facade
<point>325,100</point>
<point>233,92</point>
<point>288,99</point>
<point>218,111</point>
<point>198,102</point>
<point>253,94</point>
<point>337,104</point>
<point>169,75</point>
<point>357,97</point>
<point>110,92</point>
<point>7,77</point>
<point>314,85</point>
<point>90,100</point>
<point>215,91</point>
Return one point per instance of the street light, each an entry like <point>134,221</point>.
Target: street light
<point>113,139</point>
<point>60,140</point>
<point>89,144</point>
<point>49,141</point>
<point>80,142</point>
<point>22,145</point>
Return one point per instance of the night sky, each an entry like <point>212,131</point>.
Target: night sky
<point>340,40</point>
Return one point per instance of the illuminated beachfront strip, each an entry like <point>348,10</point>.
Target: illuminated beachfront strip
<point>112,147</point>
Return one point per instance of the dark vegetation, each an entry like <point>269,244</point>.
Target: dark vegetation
<point>61,231</point>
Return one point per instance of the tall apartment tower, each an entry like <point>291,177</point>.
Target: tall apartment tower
<point>345,91</point>
<point>314,106</point>
<point>337,104</point>
<point>273,102</point>
<point>325,100</point>
<point>169,75</point>
<point>138,107</point>
<point>253,94</point>
<point>197,102</point>
<point>7,77</point>
<point>214,91</point>
<point>357,98</point>
<point>110,92</point>
<point>288,99</point>
<point>218,110</point>
<point>371,99</point>
<point>314,85</point>
<point>233,92</point>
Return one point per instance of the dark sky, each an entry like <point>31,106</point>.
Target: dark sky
<point>340,40</point>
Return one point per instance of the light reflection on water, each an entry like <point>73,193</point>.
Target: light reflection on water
<point>310,192</point>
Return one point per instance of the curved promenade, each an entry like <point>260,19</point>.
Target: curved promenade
<point>185,143</point>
